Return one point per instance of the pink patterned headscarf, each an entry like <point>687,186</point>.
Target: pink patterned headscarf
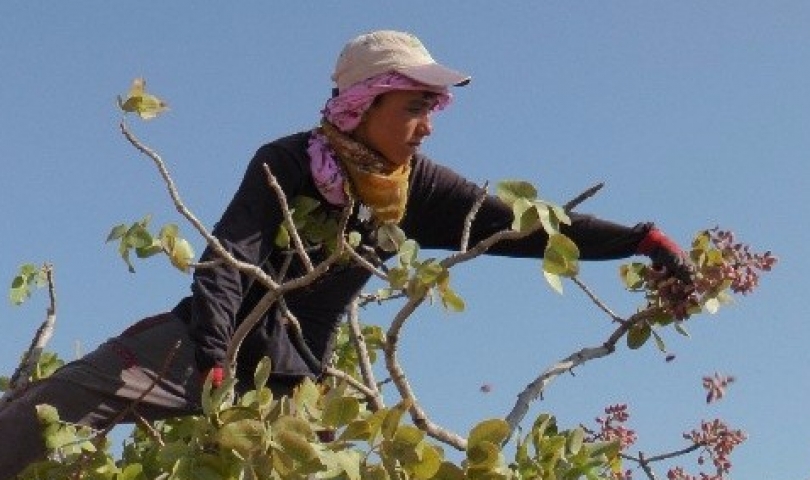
<point>345,111</point>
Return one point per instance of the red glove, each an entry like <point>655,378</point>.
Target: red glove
<point>217,375</point>
<point>665,253</point>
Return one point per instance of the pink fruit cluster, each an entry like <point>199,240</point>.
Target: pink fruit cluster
<point>718,441</point>
<point>720,263</point>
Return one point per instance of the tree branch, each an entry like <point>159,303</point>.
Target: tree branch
<point>366,370</point>
<point>398,377</point>
<point>468,221</point>
<point>22,376</point>
<point>536,388</point>
<point>285,208</point>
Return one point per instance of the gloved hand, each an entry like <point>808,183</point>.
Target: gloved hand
<point>665,253</point>
<point>217,375</point>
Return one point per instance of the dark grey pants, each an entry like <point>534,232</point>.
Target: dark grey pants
<point>95,389</point>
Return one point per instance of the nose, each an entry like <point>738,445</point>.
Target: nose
<point>425,126</point>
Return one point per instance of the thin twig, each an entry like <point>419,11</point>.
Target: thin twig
<point>288,220</point>
<point>598,302</point>
<point>468,221</point>
<point>574,203</point>
<point>353,382</point>
<point>366,370</point>
<point>363,262</point>
<point>297,338</point>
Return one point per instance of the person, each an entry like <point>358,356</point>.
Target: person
<point>366,149</point>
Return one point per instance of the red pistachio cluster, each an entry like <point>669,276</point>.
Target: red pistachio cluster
<point>741,266</point>
<point>715,386</point>
<point>720,263</point>
<point>718,441</point>
<point>611,426</point>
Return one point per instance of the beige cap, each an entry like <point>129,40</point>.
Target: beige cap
<point>384,51</point>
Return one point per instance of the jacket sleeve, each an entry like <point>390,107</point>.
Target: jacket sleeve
<point>247,230</point>
<point>440,200</point>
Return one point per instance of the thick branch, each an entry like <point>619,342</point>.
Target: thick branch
<point>536,388</point>
<point>418,415</point>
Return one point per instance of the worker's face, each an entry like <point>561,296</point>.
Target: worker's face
<point>396,123</point>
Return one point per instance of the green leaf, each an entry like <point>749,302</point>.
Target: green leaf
<point>638,335</point>
<point>145,105</point>
<point>181,254</point>
<point>494,430</point>
<point>408,252</point>
<point>19,291</point>
<point>398,277</point>
<point>138,237</point>
<point>243,436</point>
<point>296,446</point>
<point>339,411</point>
<point>262,372</point>
<point>392,419</point>
<point>429,272</point>
<point>289,423</point>
<point>632,275</point>
<point>429,465</point>
<point>575,439</point>
<point>483,454</point>
<point>59,437</point>
<point>452,301</point>
<point>659,342</point>
<point>117,232</point>
<point>681,329</point>
<point>554,280</point>
<point>525,215</point>
<point>283,238</point>
<point>547,218</point>
<point>406,445</point>
<point>510,191</point>
<point>47,414</point>
<point>449,471</point>
<point>390,237</point>
<point>350,461</point>
<point>561,256</point>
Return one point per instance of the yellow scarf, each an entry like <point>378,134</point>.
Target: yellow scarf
<point>370,177</point>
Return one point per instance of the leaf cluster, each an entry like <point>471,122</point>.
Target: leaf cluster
<point>138,238</point>
<point>417,278</point>
<point>561,255</point>
<point>549,453</point>
<point>28,278</point>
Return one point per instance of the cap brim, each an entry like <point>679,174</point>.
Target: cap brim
<point>435,75</point>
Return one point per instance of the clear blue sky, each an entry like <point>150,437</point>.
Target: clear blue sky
<point>694,114</point>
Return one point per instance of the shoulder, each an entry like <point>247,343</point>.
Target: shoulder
<point>425,172</point>
<point>294,145</point>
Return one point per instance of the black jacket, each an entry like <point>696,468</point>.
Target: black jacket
<point>438,202</point>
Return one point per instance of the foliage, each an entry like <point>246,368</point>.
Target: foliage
<point>29,277</point>
<point>137,238</point>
